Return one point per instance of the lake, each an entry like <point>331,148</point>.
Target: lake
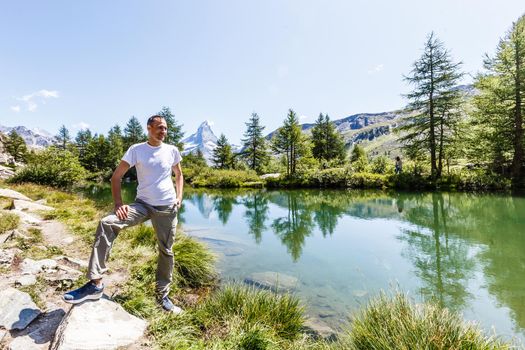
<point>463,251</point>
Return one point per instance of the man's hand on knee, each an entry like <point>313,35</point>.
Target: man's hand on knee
<point>122,211</point>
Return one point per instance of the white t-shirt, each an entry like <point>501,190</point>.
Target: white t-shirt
<point>154,170</point>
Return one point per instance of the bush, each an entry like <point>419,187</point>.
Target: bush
<point>253,308</point>
<point>226,178</point>
<point>382,165</point>
<point>53,167</point>
<point>334,177</point>
<point>8,221</point>
<point>397,323</point>
<point>367,180</point>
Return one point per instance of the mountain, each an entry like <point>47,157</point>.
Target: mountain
<point>374,131</point>
<point>203,139</point>
<point>34,138</point>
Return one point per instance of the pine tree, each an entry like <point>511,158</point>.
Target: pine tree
<point>500,107</point>
<point>434,103</point>
<point>290,142</point>
<point>16,146</point>
<point>255,150</point>
<point>133,133</point>
<point>175,133</point>
<point>116,146</point>
<point>82,139</point>
<point>328,144</point>
<point>358,158</point>
<point>63,138</point>
<point>222,154</point>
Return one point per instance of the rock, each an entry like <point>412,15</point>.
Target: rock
<point>5,172</point>
<point>55,233</point>
<point>27,218</point>
<point>64,278</point>
<point>359,293</point>
<point>319,330</point>
<point>6,257</point>
<point>274,281</point>
<point>19,204</point>
<point>25,280</point>
<point>42,201</point>
<point>5,192</point>
<point>3,332</point>
<point>17,310</point>
<point>30,266</point>
<point>100,324</point>
<point>4,237</point>
<point>40,333</point>
<point>273,176</point>
<point>18,234</point>
<point>72,262</point>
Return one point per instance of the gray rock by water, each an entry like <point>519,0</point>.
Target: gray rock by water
<point>17,310</point>
<point>319,330</point>
<point>5,192</point>
<point>274,281</point>
<point>100,324</point>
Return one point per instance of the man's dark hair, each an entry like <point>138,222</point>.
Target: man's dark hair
<point>153,117</point>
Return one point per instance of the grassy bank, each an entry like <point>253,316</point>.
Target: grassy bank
<point>457,180</point>
<point>236,316</point>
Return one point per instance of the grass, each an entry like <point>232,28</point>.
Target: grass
<point>8,221</point>
<point>395,322</point>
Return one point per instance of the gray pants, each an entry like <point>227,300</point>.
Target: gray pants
<point>164,220</point>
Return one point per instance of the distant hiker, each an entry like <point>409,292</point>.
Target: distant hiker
<point>156,200</point>
<point>399,165</point>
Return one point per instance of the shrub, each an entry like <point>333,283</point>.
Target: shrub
<point>53,167</point>
<point>382,165</point>
<point>226,178</point>
<point>282,314</point>
<point>8,221</point>
<point>394,322</point>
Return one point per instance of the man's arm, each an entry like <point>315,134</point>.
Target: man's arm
<point>120,209</point>
<point>179,182</point>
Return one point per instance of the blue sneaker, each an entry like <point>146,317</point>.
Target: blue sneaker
<point>88,291</point>
<point>168,306</point>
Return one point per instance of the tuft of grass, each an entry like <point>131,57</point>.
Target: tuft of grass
<point>8,221</point>
<point>282,314</point>
<point>394,322</point>
<point>194,263</point>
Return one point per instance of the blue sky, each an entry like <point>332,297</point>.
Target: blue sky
<point>96,63</point>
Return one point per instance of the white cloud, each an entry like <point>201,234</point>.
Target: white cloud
<point>15,108</point>
<point>302,117</point>
<point>81,126</point>
<point>376,69</point>
<point>32,100</point>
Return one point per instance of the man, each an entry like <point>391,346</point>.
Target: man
<point>156,200</point>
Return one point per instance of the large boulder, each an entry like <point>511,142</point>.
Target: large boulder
<point>5,192</point>
<point>17,310</point>
<point>33,267</point>
<point>39,334</point>
<point>274,281</point>
<point>99,325</point>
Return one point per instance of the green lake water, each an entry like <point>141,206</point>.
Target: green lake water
<point>464,251</point>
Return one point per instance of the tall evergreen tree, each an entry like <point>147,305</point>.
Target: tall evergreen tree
<point>116,146</point>
<point>175,133</point>
<point>434,103</point>
<point>222,154</point>
<point>82,139</point>
<point>63,138</point>
<point>133,132</point>
<point>16,146</point>
<point>255,150</point>
<point>500,104</point>
<point>290,142</point>
<point>328,144</point>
